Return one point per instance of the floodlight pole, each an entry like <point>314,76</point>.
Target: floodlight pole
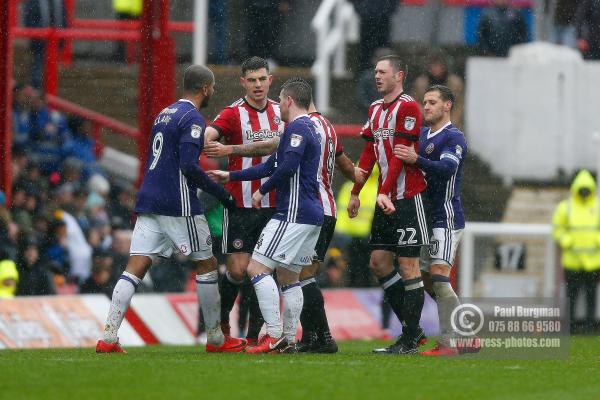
<point>5,100</point>
<point>200,41</point>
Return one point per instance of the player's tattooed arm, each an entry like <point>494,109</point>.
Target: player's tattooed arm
<point>256,149</point>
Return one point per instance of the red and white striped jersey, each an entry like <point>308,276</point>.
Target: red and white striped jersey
<point>397,122</point>
<point>240,123</point>
<point>330,149</point>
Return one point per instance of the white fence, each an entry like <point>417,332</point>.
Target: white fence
<point>547,275</point>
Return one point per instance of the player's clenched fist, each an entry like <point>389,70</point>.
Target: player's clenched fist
<point>353,206</point>
<point>386,204</point>
<point>256,199</point>
<point>219,176</point>
<point>406,153</point>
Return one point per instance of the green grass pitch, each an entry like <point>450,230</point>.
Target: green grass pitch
<point>170,372</point>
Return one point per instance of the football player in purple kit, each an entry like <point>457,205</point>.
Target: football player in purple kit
<point>170,216</point>
<point>288,240</point>
<point>442,151</point>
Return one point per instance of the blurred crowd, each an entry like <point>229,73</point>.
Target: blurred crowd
<point>68,225</point>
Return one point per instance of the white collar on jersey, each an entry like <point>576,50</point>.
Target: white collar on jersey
<point>432,134</point>
<point>189,101</point>
<point>300,116</point>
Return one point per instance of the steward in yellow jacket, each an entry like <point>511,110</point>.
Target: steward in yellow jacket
<point>576,229</point>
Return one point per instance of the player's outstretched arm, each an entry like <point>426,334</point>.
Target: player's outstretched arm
<point>285,170</point>
<point>444,168</point>
<point>257,172</point>
<point>365,162</point>
<point>350,172</point>
<point>188,163</point>
<point>256,149</point>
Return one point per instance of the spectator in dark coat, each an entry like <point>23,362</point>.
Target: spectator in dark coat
<point>499,29</point>
<point>35,279</point>
<point>375,26</point>
<point>587,22</point>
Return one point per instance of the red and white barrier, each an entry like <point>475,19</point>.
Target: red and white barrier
<point>77,321</point>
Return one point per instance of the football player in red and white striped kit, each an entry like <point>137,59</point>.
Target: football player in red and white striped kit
<point>316,336</point>
<point>252,118</point>
<point>399,226</point>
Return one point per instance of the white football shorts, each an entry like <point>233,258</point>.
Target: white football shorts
<point>161,235</point>
<point>286,244</point>
<point>442,248</point>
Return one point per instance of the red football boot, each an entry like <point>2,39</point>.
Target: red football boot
<point>103,347</point>
<point>230,345</point>
<point>267,345</point>
<point>440,350</point>
<point>252,341</point>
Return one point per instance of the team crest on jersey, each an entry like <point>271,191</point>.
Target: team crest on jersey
<point>296,140</point>
<point>429,148</point>
<point>196,131</point>
<point>409,123</point>
<point>276,120</point>
<point>458,150</point>
<point>238,244</point>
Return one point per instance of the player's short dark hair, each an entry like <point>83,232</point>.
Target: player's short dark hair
<point>444,91</point>
<point>197,76</point>
<point>395,61</point>
<point>298,90</point>
<point>254,64</point>
<point>301,80</point>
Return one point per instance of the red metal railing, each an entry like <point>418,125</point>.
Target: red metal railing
<point>99,121</point>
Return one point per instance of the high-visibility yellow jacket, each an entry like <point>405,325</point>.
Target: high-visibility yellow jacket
<point>8,273</point>
<point>576,226</point>
<point>130,7</point>
<point>360,226</point>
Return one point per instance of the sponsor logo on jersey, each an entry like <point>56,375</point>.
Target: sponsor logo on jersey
<point>429,148</point>
<point>409,123</point>
<point>169,110</point>
<point>262,134</point>
<point>196,131</point>
<point>459,150</point>
<point>383,133</point>
<point>296,140</point>
<point>239,243</point>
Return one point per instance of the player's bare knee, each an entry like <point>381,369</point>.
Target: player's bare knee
<point>205,266</point>
<point>309,271</point>
<point>138,265</point>
<point>381,263</point>
<point>409,267</point>
<point>256,268</point>
<point>286,276</point>
<point>237,268</point>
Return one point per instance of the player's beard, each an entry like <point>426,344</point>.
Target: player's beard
<point>205,102</point>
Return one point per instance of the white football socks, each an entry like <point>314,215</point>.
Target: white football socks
<point>207,289</point>
<point>292,308</point>
<point>268,300</point>
<point>121,297</point>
